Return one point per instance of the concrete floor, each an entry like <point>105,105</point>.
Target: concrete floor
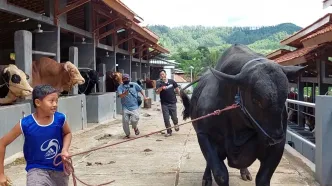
<point>156,160</point>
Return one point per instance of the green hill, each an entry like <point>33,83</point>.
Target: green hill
<point>199,46</point>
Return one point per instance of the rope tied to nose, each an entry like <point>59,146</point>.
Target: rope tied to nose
<point>68,165</point>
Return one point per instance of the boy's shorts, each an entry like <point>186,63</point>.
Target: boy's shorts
<point>42,177</point>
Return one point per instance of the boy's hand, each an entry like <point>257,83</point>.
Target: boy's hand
<point>65,155</point>
<point>4,181</point>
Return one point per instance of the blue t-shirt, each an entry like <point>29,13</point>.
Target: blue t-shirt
<point>129,102</point>
<point>42,142</point>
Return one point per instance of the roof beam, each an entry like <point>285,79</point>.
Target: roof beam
<point>153,55</point>
<point>78,31</point>
<point>6,7</point>
<point>119,8</point>
<point>101,36</point>
<point>72,6</point>
<point>110,21</point>
<point>125,39</point>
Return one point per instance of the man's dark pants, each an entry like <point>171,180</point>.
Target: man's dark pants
<point>169,110</point>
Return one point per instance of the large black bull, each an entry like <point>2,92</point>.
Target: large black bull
<point>255,130</point>
<point>91,78</point>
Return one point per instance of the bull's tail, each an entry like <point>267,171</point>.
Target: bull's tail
<point>186,100</point>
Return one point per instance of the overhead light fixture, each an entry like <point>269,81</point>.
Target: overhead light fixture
<point>121,30</point>
<point>107,54</point>
<point>83,40</point>
<point>116,65</point>
<point>137,64</point>
<point>124,57</point>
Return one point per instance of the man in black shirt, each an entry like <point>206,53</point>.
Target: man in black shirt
<point>165,87</point>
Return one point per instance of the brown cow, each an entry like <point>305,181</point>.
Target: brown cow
<point>150,83</point>
<point>13,84</point>
<point>113,80</point>
<point>62,76</point>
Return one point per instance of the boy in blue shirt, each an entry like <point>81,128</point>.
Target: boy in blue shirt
<point>46,134</point>
<point>128,92</point>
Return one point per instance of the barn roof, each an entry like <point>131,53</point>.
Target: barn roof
<point>295,39</point>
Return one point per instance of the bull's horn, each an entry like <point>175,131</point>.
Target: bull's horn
<point>222,76</point>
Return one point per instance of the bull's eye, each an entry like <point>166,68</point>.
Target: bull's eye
<point>255,101</point>
<point>16,79</point>
<point>28,77</point>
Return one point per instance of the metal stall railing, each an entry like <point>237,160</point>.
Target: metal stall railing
<point>298,136</point>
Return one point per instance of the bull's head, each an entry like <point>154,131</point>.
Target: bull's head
<point>264,90</point>
<point>117,76</point>
<point>74,74</point>
<point>17,81</point>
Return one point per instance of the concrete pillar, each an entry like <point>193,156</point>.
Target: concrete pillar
<point>135,70</point>
<point>134,76</point>
<point>48,42</point>
<point>124,64</point>
<point>109,63</point>
<point>23,51</point>
<point>102,70</point>
<point>87,55</point>
<point>323,134</point>
<point>73,57</point>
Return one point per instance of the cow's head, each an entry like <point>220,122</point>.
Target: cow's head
<point>74,74</point>
<point>264,90</point>
<point>94,76</point>
<point>17,81</point>
<point>117,76</point>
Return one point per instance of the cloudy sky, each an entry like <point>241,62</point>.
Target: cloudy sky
<point>228,12</point>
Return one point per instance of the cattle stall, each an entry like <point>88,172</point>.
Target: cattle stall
<point>93,35</point>
<point>309,103</point>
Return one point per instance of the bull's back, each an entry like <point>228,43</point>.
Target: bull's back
<point>46,71</point>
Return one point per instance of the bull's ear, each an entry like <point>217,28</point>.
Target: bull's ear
<point>293,71</point>
<point>66,65</point>
<point>6,74</point>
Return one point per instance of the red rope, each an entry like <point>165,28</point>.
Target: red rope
<point>69,168</point>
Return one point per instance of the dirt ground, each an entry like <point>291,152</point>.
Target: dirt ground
<point>155,160</point>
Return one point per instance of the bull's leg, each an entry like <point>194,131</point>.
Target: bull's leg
<point>245,174</point>
<point>207,177</point>
<point>269,164</point>
<point>219,169</point>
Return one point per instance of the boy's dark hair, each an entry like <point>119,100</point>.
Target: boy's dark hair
<point>162,71</point>
<point>40,91</point>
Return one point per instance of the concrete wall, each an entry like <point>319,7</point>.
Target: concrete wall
<point>109,62</point>
<point>145,68</point>
<point>75,109</point>
<point>100,107</point>
<point>124,64</point>
<point>47,42</point>
<point>136,67</point>
<point>11,115</point>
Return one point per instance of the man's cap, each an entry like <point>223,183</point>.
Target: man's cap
<point>125,76</point>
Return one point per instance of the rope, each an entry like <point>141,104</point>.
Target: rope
<point>69,168</point>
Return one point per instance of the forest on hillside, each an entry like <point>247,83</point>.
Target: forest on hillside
<point>200,46</point>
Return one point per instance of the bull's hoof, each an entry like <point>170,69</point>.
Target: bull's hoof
<point>221,181</point>
<point>245,174</point>
<point>206,182</point>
